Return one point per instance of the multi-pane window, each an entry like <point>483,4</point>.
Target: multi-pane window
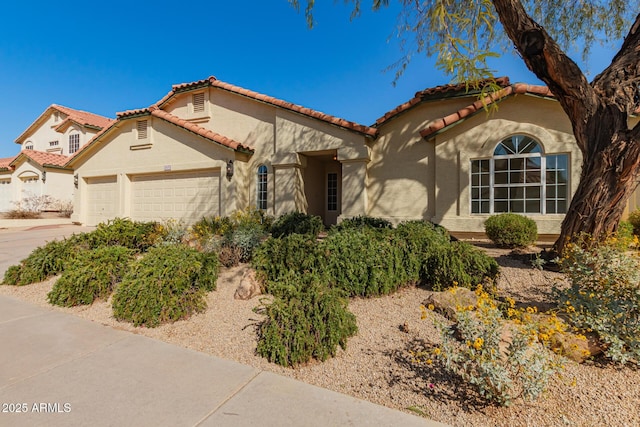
<point>332,191</point>
<point>53,143</point>
<point>262,187</point>
<point>519,178</point>
<point>74,143</point>
<point>28,146</point>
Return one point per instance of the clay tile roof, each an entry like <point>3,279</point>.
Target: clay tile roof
<point>5,163</point>
<point>43,158</point>
<point>457,116</point>
<point>437,92</point>
<point>84,118</point>
<point>199,130</point>
<point>212,81</point>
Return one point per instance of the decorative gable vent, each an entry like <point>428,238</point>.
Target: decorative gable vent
<point>142,129</point>
<point>198,102</point>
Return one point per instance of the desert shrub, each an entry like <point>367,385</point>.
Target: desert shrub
<point>251,217</point>
<point>135,235</point>
<point>92,275</point>
<point>45,261</point>
<point>473,351</point>
<point>624,237</point>
<point>297,222</point>
<point>30,206</point>
<point>604,296</point>
<point>229,255</point>
<point>64,208</point>
<point>165,285</point>
<point>305,324</point>
<point>246,238</point>
<point>363,221</point>
<point>173,231</point>
<point>634,220</point>
<point>207,227</point>
<point>295,252</point>
<point>511,230</point>
<point>459,263</point>
<point>365,262</point>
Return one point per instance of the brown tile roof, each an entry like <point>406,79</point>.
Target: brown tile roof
<point>438,92</point>
<point>213,82</point>
<point>42,158</point>
<point>515,89</point>
<point>82,118</point>
<point>199,130</point>
<point>5,163</point>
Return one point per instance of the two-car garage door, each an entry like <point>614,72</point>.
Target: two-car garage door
<point>186,196</point>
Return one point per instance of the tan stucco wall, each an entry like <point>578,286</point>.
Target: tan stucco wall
<point>46,133</point>
<point>168,149</point>
<point>477,137</point>
<point>410,178</point>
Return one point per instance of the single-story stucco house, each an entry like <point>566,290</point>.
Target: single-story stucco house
<point>210,148</point>
<point>46,145</point>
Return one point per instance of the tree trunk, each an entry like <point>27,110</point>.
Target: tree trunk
<point>598,112</point>
<point>609,177</point>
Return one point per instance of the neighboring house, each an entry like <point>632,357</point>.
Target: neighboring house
<point>209,148</point>
<point>39,169</point>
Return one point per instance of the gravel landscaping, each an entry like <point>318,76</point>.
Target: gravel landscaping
<point>377,366</point>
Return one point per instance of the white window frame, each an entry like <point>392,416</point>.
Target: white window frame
<point>542,185</point>
<point>74,142</point>
<point>262,187</point>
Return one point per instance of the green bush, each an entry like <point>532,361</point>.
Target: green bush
<point>135,235</point>
<point>634,220</point>
<point>363,221</point>
<point>459,263</point>
<point>166,285</point>
<point>604,296</point>
<point>511,230</point>
<point>208,227</point>
<point>92,275</point>
<point>421,241</point>
<point>251,217</point>
<point>45,261</point>
<point>297,253</point>
<point>298,223</point>
<point>305,324</point>
<point>365,262</point>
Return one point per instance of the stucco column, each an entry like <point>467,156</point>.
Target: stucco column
<point>288,183</point>
<point>354,180</point>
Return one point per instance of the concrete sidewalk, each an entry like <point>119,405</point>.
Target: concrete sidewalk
<point>60,370</point>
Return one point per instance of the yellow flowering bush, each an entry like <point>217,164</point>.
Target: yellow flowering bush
<point>500,369</point>
<point>604,296</point>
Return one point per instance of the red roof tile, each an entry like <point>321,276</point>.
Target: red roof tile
<point>437,92</point>
<point>199,130</point>
<point>213,82</point>
<point>42,158</point>
<point>82,118</point>
<point>515,89</point>
<point>5,163</point>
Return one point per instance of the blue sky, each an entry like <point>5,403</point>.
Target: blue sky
<point>126,55</point>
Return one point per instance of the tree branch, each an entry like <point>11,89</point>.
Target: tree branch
<point>619,83</point>
<point>545,59</point>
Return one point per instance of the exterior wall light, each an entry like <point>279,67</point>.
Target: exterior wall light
<point>229,169</point>
<point>75,180</point>
<point>44,176</point>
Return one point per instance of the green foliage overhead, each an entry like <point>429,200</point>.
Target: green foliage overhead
<point>464,35</point>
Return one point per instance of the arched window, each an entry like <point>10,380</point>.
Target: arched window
<point>28,145</point>
<point>261,188</point>
<point>520,178</point>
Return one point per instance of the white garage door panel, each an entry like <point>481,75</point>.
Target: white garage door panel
<point>186,196</point>
<point>102,196</point>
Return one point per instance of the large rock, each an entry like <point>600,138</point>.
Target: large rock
<point>446,302</point>
<point>248,287</point>
<point>572,346</point>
